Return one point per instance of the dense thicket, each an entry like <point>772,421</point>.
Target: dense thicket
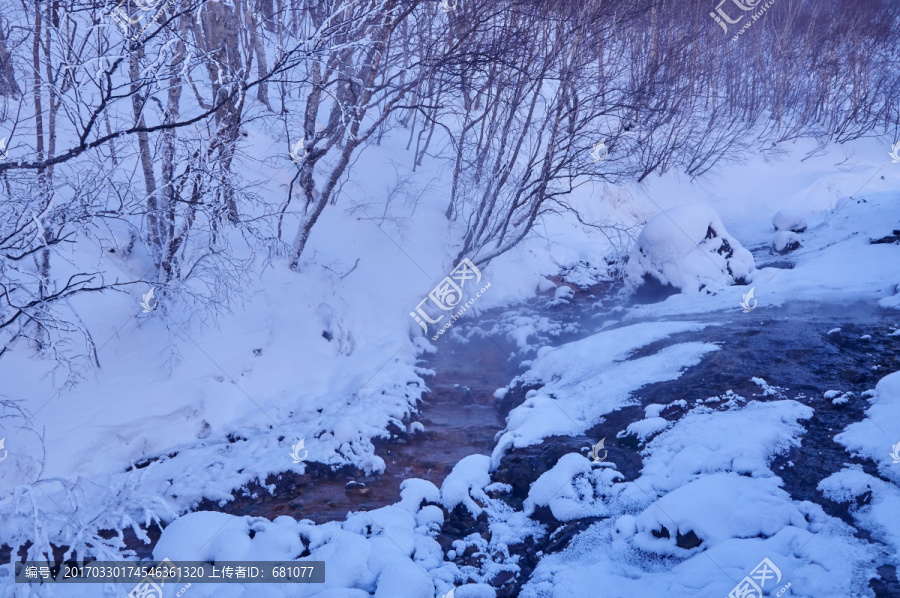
<point>132,134</point>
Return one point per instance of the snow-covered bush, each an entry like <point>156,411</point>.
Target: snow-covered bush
<point>789,220</point>
<point>688,248</point>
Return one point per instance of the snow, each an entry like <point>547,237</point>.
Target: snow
<point>465,482</point>
<point>385,552</point>
<point>707,441</point>
<point>838,397</point>
<point>874,436</point>
<point>873,501</point>
<point>689,248</point>
<point>572,489</point>
<point>562,295</point>
<point>653,410</point>
<point>586,379</point>
<point>717,507</point>
<point>786,241</point>
<point>646,428</point>
<point>879,516</point>
<point>789,220</point>
<point>710,472</point>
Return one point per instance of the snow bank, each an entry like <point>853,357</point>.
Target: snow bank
<point>881,504</point>
<point>873,501</point>
<point>646,428</point>
<point>873,437</point>
<point>707,441</point>
<point>716,508</point>
<point>688,248</point>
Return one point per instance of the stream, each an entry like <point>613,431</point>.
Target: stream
<point>792,347</point>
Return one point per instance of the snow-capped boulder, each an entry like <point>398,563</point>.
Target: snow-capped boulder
<point>789,220</point>
<point>785,242</point>
<point>688,248</point>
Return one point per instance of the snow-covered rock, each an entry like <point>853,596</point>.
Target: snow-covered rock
<point>789,220</point>
<point>562,295</point>
<point>466,482</point>
<point>688,248</point>
<point>573,489</point>
<point>785,242</point>
<point>716,508</point>
<point>645,428</point>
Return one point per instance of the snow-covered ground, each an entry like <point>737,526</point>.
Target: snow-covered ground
<point>329,356</point>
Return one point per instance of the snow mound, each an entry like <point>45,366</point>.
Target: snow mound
<point>785,242</point>
<point>789,220</point>
<point>688,248</point>
<point>893,301</point>
<point>387,552</point>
